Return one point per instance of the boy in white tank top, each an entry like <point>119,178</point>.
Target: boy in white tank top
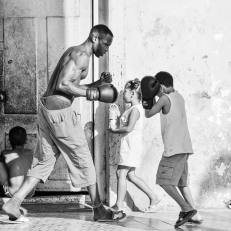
<point>173,167</point>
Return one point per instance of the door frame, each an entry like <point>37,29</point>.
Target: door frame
<point>100,15</point>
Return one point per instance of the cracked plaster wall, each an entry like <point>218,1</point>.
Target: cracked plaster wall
<point>192,41</point>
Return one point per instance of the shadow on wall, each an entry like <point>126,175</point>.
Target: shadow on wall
<point>88,130</point>
<point>99,148</point>
<point>215,187</point>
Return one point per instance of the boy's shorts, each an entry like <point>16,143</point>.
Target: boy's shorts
<point>173,170</point>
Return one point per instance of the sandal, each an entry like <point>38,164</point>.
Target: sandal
<point>228,204</point>
<point>21,219</point>
<point>197,222</point>
<point>184,217</point>
<point>116,208</point>
<point>111,216</point>
<point>150,209</point>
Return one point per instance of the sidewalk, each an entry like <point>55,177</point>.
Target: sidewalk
<point>80,219</point>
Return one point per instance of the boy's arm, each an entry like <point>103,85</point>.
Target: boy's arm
<point>133,117</point>
<point>157,106</point>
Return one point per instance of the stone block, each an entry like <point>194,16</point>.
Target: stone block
<point>1,64</point>
<point>1,29</point>
<point>1,46</point>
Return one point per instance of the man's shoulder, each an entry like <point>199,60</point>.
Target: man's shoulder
<point>77,53</point>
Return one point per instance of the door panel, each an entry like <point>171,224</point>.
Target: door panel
<point>20,65</point>
<point>59,42</point>
<point>33,36</point>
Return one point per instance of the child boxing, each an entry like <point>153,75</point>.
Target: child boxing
<point>173,167</point>
<point>130,150</point>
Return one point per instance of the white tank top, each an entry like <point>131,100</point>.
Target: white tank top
<point>174,127</point>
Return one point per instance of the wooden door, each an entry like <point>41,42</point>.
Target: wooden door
<point>33,36</point>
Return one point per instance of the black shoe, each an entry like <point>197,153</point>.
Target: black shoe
<point>184,217</point>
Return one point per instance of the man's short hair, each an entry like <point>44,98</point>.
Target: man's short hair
<point>101,29</point>
<point>17,136</point>
<point>164,78</point>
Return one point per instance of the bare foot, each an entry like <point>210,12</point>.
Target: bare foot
<point>155,200</point>
<point>115,207</point>
<point>197,217</point>
<point>11,208</point>
<point>103,215</point>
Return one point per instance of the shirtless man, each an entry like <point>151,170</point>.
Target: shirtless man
<point>15,163</point>
<point>60,131</point>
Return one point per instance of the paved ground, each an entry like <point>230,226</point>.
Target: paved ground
<point>81,220</point>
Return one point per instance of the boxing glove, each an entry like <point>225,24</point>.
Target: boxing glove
<point>106,77</point>
<point>149,89</point>
<point>106,93</point>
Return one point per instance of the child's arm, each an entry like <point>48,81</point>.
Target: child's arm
<point>157,106</point>
<point>133,117</point>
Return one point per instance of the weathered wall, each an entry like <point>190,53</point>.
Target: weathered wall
<point>191,40</point>
<point>33,36</point>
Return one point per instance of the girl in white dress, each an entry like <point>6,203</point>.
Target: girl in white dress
<point>130,149</point>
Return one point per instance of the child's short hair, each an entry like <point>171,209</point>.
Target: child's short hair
<point>134,85</point>
<point>164,78</point>
<point>17,136</point>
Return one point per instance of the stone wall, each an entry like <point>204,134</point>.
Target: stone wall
<point>192,41</point>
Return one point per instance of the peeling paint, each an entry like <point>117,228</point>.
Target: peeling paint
<point>200,62</point>
<point>220,170</point>
<point>218,37</point>
<point>225,92</point>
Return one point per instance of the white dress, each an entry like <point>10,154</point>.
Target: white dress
<point>130,148</point>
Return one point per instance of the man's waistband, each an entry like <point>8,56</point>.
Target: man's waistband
<point>55,102</point>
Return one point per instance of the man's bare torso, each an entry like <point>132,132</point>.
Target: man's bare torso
<point>72,53</point>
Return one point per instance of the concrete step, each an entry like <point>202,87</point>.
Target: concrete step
<point>53,207</point>
<point>54,203</point>
<point>54,199</point>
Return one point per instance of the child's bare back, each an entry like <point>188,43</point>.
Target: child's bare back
<point>18,162</point>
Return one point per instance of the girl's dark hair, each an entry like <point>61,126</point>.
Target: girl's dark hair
<point>134,85</point>
<point>17,136</point>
